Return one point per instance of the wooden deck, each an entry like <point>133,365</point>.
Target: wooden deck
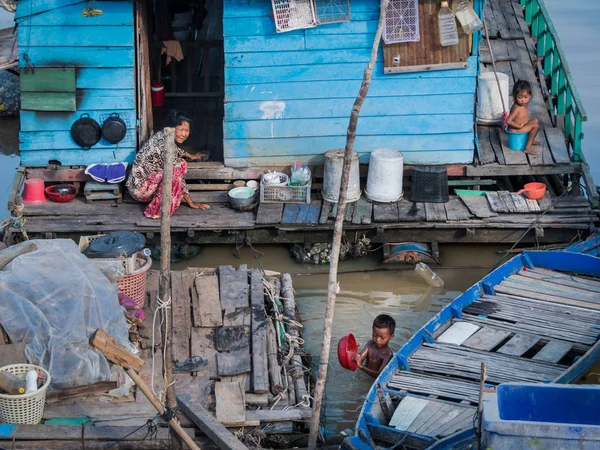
<point>219,315</point>
<point>536,325</point>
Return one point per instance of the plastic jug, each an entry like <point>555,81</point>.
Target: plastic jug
<point>11,384</point>
<point>447,26</point>
<point>429,275</point>
<point>467,16</point>
<point>300,175</point>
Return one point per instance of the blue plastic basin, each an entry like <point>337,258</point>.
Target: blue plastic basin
<point>517,140</point>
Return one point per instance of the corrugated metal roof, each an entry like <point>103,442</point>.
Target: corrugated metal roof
<point>9,52</point>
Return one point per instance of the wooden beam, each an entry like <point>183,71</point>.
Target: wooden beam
<point>114,351</point>
<point>208,424</point>
<point>498,170</point>
<point>10,253</point>
<point>80,391</point>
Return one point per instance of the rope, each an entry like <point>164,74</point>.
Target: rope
<point>151,433</point>
<point>166,305</point>
<point>16,221</point>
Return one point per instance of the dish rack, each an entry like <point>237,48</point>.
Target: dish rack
<point>283,193</point>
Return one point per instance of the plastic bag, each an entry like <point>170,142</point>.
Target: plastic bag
<point>53,299</point>
<point>113,270</point>
<point>300,174</point>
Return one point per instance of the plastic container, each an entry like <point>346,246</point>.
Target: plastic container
<point>543,416</point>
<point>447,26</point>
<point>517,140</point>
<point>11,384</point>
<point>489,100</point>
<point>33,192</point>
<point>429,185</point>
<point>301,175</point>
<point>183,19</point>
<point>533,191</point>
<point>347,348</point>
<point>182,33</point>
<point>134,284</point>
<point>60,197</point>
<point>158,93</point>
<point>429,275</point>
<point>466,15</point>
<point>386,170</point>
<point>24,408</point>
<point>332,176</point>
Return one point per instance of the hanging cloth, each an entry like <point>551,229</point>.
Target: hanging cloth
<point>172,50</point>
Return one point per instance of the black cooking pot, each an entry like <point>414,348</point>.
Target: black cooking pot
<point>85,131</point>
<point>114,129</point>
<point>64,189</point>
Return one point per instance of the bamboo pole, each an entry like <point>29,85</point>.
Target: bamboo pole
<point>333,285</point>
<point>165,265</point>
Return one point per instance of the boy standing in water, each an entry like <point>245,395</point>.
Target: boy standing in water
<point>377,353</point>
<point>518,120</point>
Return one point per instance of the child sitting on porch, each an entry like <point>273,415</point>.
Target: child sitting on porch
<point>518,120</point>
<point>377,353</point>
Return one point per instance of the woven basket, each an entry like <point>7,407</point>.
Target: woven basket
<point>134,284</point>
<point>24,408</point>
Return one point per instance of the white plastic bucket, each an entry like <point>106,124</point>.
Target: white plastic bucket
<point>181,33</point>
<point>489,102</point>
<point>183,19</point>
<point>332,176</point>
<point>386,170</point>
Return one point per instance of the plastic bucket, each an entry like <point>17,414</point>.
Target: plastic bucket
<point>332,176</point>
<point>489,101</point>
<point>181,33</point>
<point>34,191</point>
<point>517,140</point>
<point>384,182</point>
<point>158,93</point>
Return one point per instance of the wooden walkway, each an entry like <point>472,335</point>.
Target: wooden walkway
<point>536,324</point>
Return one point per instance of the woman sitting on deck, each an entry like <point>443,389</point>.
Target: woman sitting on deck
<point>145,180</point>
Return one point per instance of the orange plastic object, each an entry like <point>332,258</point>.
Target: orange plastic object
<point>347,348</point>
<point>534,191</point>
<point>34,191</point>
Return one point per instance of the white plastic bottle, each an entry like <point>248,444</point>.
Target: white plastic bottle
<point>467,16</point>
<point>31,381</point>
<point>447,26</point>
<point>429,275</point>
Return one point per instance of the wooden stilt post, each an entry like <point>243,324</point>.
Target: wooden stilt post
<point>333,286</point>
<point>164,290</point>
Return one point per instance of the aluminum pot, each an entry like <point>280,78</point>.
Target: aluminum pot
<point>241,197</point>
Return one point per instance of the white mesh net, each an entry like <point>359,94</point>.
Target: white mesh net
<point>401,22</point>
<point>331,11</point>
<point>293,14</point>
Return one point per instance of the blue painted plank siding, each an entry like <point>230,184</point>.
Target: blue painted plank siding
<point>288,96</point>
<point>54,33</point>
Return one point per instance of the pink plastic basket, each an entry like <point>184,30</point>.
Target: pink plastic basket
<point>134,284</point>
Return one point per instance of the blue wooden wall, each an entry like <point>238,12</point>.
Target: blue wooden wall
<point>288,96</point>
<point>54,33</point>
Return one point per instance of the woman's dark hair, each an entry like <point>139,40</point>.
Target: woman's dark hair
<point>176,118</point>
<point>521,86</point>
<point>385,321</point>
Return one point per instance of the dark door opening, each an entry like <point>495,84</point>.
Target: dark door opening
<point>185,40</point>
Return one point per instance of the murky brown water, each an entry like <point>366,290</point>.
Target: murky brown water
<point>365,293</point>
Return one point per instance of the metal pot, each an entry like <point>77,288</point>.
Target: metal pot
<point>85,131</point>
<point>241,197</point>
<point>114,129</point>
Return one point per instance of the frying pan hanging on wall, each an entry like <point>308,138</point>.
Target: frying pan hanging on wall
<point>114,129</point>
<point>86,132</point>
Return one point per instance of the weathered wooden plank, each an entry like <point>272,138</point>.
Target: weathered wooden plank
<point>486,152</point>
<point>520,203</point>
<point>486,339</point>
<point>568,276</point>
<point>512,157</point>
<point>290,213</point>
<point>553,351</point>
<point>233,285</point>
<point>411,211</point>
<point>406,412</point>
<point>349,212</point>
<point>206,301</point>
<point>561,279</point>
<point>385,212</point>
<point>479,206</point>
<point>431,413</point>
<point>533,205</point>
<point>545,202</point>
<point>462,421</point>
<point>325,211</point>
<point>182,323</point>
<point>558,147</point>
<point>229,339</point>
<point>496,202</point>
<point>517,291</point>
<point>269,213</point>
<point>234,363</point>
<point>519,344</point>
<point>435,212</point>
<point>450,414</point>
<point>557,288</point>
<point>507,200</point>
<point>208,424</point>
<point>314,211</point>
<point>203,344</point>
<point>260,369</point>
<point>273,415</point>
<point>230,403</point>
<point>456,209</point>
<point>237,317</point>
<point>362,212</point>
<point>458,333</point>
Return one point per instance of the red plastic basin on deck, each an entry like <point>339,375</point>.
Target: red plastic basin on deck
<point>347,348</point>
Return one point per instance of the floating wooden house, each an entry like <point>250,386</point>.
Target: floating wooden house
<point>272,82</point>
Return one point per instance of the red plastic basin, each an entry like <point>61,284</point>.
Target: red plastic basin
<point>347,348</point>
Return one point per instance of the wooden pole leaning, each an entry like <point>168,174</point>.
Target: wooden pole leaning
<point>120,355</point>
<point>333,285</point>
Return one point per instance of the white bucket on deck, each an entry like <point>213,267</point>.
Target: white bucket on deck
<point>489,102</point>
<point>384,183</point>
<point>332,176</point>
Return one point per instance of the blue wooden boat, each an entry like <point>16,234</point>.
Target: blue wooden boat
<point>535,319</point>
